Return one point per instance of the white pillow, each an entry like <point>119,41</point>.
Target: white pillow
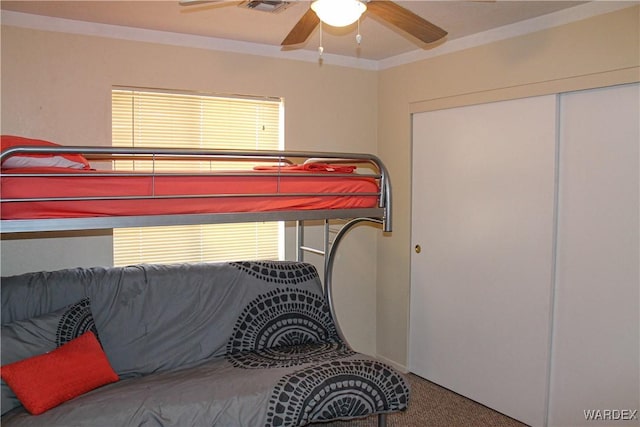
<point>14,162</point>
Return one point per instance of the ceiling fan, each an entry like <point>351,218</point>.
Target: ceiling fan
<point>385,10</point>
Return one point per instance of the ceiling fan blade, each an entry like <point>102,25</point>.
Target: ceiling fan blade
<point>406,20</point>
<point>303,29</point>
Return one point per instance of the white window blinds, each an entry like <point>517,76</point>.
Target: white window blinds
<point>142,118</point>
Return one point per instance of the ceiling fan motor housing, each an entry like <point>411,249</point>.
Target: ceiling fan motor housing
<point>271,6</point>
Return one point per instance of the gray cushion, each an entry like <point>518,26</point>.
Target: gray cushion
<point>239,343</point>
<point>26,338</point>
<point>155,318</point>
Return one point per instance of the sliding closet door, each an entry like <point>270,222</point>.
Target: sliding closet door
<point>596,360</point>
<point>482,227</point>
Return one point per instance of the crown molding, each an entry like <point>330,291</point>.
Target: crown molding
<point>61,25</point>
<point>46,23</point>
<point>544,22</point>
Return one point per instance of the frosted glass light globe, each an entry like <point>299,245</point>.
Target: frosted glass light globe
<point>338,13</point>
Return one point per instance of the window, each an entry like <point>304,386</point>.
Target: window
<point>149,118</point>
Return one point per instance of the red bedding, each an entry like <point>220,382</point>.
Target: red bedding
<point>85,183</point>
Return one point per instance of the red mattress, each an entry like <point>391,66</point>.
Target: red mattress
<point>292,189</point>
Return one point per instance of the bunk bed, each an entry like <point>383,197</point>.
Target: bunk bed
<point>281,185</point>
<point>51,187</point>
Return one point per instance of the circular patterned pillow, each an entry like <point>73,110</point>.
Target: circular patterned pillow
<point>284,327</point>
<point>75,321</point>
<point>283,272</point>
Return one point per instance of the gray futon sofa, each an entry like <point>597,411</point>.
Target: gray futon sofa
<point>226,344</point>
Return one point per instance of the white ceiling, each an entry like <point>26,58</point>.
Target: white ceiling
<point>225,20</point>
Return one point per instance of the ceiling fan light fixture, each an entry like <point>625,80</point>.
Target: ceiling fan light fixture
<point>338,13</point>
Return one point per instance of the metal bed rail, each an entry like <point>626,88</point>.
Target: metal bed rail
<point>281,158</point>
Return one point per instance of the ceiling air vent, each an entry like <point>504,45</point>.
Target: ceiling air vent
<point>272,6</point>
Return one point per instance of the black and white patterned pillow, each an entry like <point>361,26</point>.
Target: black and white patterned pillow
<point>26,338</point>
<point>281,272</point>
<point>284,327</point>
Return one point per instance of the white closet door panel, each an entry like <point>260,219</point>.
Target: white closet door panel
<point>482,211</point>
<point>595,362</point>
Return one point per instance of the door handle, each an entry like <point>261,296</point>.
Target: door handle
<point>418,249</point>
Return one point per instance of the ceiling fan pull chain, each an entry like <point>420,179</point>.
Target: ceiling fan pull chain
<point>358,36</point>
<point>320,48</point>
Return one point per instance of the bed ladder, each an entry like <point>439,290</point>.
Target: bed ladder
<point>329,253</point>
<point>302,249</point>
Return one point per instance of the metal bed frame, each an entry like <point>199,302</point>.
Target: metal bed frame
<point>379,215</point>
<point>383,211</point>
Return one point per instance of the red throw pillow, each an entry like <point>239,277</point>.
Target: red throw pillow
<point>24,160</point>
<point>47,380</point>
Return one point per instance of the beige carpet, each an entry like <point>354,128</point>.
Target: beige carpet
<point>435,406</point>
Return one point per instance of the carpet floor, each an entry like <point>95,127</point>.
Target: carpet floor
<point>435,406</point>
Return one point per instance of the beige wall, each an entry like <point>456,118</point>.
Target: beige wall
<point>599,51</point>
<point>57,86</point>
